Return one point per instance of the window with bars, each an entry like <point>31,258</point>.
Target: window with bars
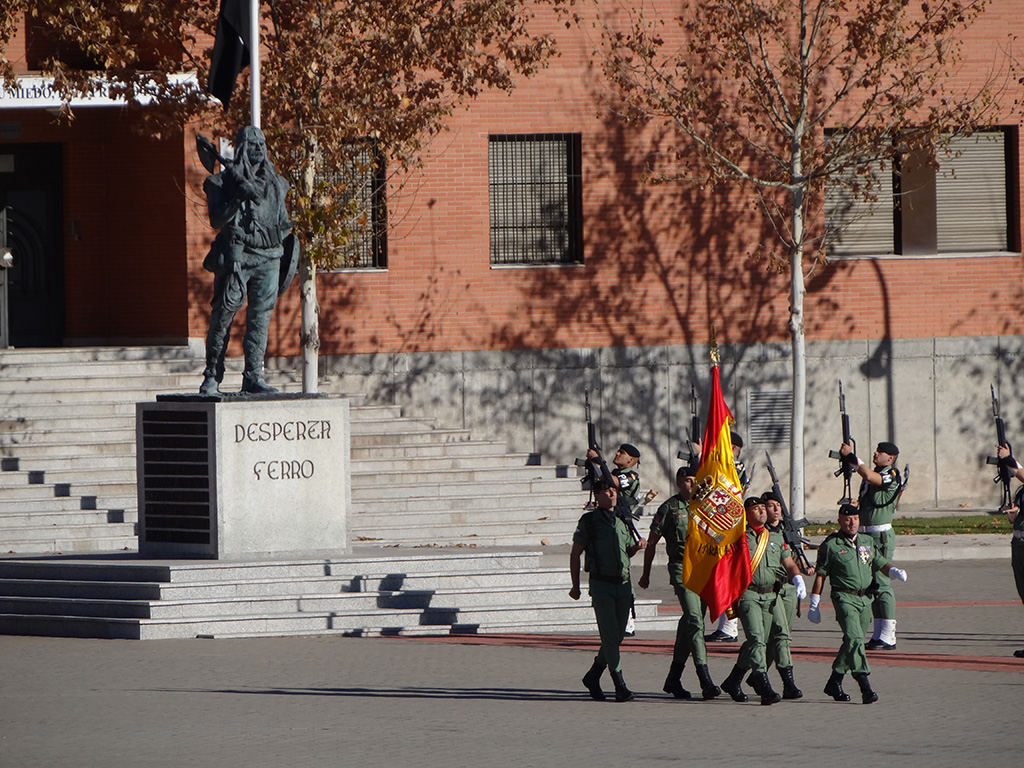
<point>963,206</point>
<point>364,181</point>
<point>536,198</point>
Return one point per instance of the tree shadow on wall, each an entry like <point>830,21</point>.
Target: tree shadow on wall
<point>663,263</point>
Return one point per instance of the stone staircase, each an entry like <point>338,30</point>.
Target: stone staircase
<point>439,593</point>
<point>67,487</point>
<point>67,462</point>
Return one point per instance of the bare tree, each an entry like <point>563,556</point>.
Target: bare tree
<point>789,97</point>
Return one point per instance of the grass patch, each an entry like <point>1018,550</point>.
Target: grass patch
<point>932,526</point>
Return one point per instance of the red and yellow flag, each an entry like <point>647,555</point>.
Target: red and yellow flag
<point>716,563</point>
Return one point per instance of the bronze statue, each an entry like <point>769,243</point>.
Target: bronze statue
<point>254,254</point>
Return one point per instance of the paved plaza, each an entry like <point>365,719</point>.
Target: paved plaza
<point>951,695</point>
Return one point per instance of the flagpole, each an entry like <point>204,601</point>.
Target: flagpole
<point>254,61</point>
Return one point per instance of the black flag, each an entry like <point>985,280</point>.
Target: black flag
<point>230,49</point>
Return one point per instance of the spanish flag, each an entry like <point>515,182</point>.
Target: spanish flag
<point>716,563</point>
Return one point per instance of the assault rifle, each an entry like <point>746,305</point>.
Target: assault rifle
<point>587,481</point>
<point>691,456</point>
<point>845,467</point>
<point>1004,475</point>
<point>790,528</point>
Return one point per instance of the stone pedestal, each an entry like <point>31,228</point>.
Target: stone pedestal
<point>236,478</point>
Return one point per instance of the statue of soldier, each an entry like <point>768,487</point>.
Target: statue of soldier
<point>254,254</point>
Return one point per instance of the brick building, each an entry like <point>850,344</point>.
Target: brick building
<point>491,315</point>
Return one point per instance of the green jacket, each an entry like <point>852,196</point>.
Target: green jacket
<point>670,523</point>
<point>849,565</point>
<point>605,540</point>
<point>878,502</point>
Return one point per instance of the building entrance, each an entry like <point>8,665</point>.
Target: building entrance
<point>31,201</point>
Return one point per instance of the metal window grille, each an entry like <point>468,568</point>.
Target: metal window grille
<point>364,180</point>
<point>536,198</point>
<point>769,416</point>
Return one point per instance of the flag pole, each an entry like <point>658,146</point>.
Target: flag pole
<point>254,61</point>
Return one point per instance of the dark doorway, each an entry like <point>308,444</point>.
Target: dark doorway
<point>30,196</point>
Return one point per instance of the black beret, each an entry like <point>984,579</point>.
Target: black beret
<point>890,448</point>
<point>736,439</point>
<point>752,500</point>
<point>630,450</point>
<point>771,496</point>
<point>848,509</point>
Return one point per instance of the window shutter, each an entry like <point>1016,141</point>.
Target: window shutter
<point>971,195</point>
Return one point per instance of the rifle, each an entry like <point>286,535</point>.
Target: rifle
<point>691,456</point>
<point>1003,475</point>
<point>790,528</point>
<point>845,468</point>
<point>587,481</point>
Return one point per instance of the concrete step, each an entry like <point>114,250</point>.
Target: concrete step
<point>124,381</point>
<point>25,519</point>
<point>38,445</point>
<point>479,460</point>
<point>430,487</point>
<point>58,505</point>
<point>102,461</point>
<point>401,437</point>
<point>365,562</point>
<point>49,488</point>
<point>373,453</point>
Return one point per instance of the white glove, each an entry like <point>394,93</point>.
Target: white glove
<point>897,573</point>
<point>814,612</point>
<point>801,588</point>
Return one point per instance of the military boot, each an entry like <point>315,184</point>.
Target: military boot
<point>764,688</point>
<point>732,684</point>
<point>834,688</point>
<point>867,695</point>
<point>789,689</point>
<point>592,681</point>
<point>622,693</point>
<point>707,686</point>
<point>254,383</point>
<point>210,386</point>
<point>673,683</point>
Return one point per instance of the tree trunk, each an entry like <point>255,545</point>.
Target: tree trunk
<point>796,329</point>
<point>310,334</point>
<point>310,331</point>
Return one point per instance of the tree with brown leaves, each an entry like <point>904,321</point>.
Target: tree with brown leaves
<point>348,87</point>
<point>786,98</point>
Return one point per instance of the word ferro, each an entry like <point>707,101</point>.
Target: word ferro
<point>284,470</point>
<point>270,431</point>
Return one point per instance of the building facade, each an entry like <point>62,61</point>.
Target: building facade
<point>528,262</point>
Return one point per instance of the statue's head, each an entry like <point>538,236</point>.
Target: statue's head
<point>251,144</point>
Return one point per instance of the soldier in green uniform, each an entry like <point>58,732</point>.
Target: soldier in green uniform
<point>849,560</point>
<point>879,492</point>
<point>755,606</point>
<point>670,522</point>
<point>784,611</point>
<point>1017,521</point>
<point>608,544</point>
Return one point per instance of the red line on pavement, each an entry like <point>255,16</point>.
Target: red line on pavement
<point>886,659</point>
<point>669,608</point>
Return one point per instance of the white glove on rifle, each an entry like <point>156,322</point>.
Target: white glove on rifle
<point>801,589</point>
<point>814,612</point>
<point>897,573</point>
